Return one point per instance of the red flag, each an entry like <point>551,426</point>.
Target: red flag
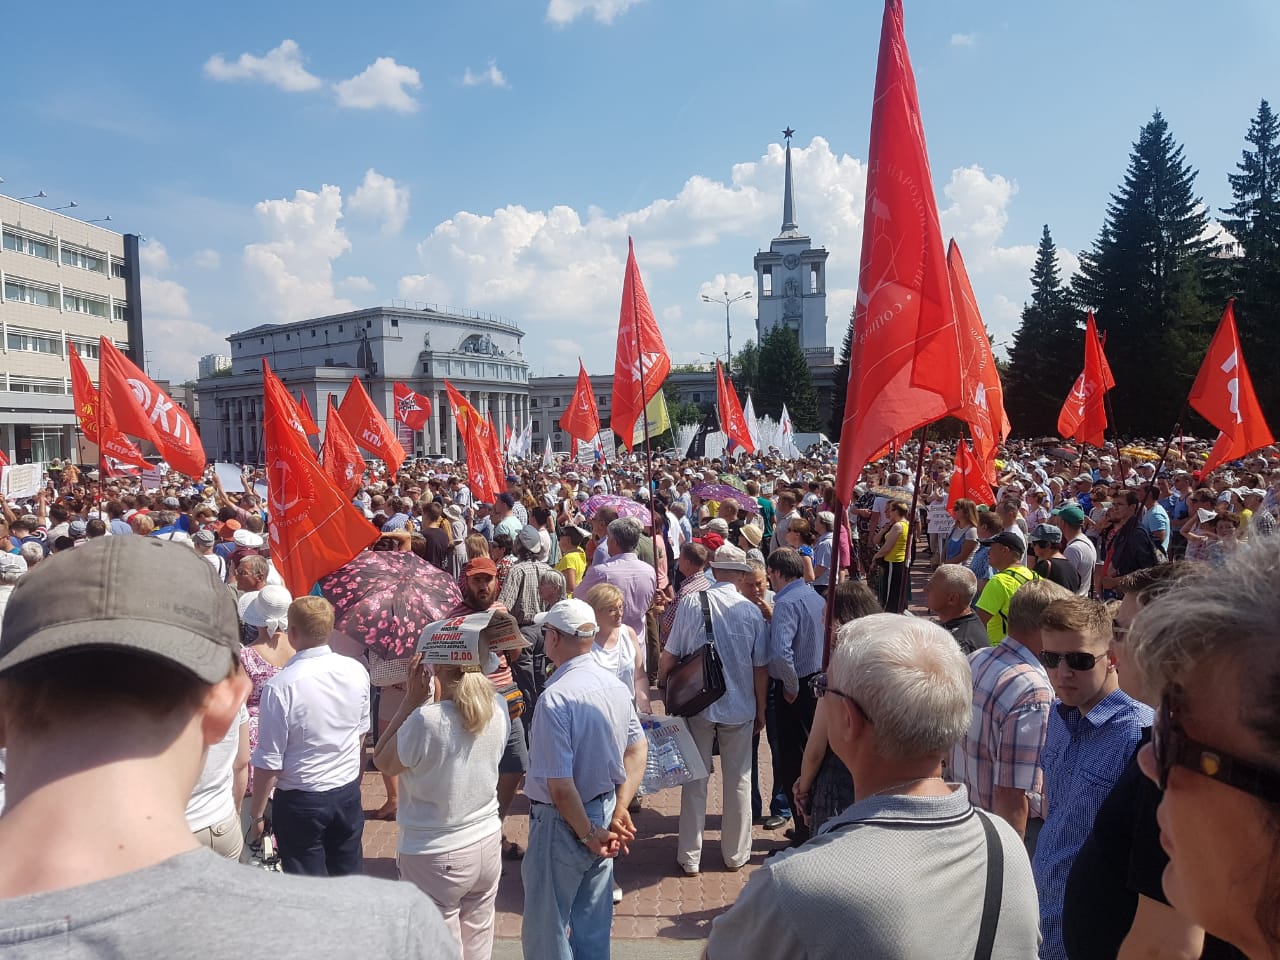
<point>642,361</point>
<point>340,457</point>
<point>582,420</point>
<point>1223,394</point>
<point>968,483</point>
<point>483,478</point>
<point>412,409</point>
<point>983,395</point>
<point>4,461</point>
<point>495,448</point>
<point>314,529</point>
<point>1084,415</point>
<point>118,447</point>
<point>369,428</point>
<point>904,367</point>
<point>305,418</point>
<point>732,423</point>
<point>130,403</point>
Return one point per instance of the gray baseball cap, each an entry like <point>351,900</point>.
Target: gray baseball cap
<point>135,594</point>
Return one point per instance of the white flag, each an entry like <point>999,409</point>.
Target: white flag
<point>548,460</point>
<point>788,432</point>
<point>753,427</point>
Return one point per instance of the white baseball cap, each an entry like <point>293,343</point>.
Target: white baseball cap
<point>572,617</point>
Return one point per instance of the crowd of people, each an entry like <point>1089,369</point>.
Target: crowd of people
<point>1057,739</point>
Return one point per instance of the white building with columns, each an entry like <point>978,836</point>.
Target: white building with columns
<point>420,345</point>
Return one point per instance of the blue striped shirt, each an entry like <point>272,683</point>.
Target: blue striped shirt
<point>1083,758</point>
<point>795,634</point>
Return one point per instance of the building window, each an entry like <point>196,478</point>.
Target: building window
<point>395,323</point>
<point>426,366</point>
<point>33,342</point>
<point>36,385</point>
<point>313,331</point>
<point>73,257</point>
<point>339,328</point>
<point>555,401</point>
<point>88,349</point>
<point>537,426</point>
<point>83,303</point>
<point>118,268</point>
<point>533,403</point>
<point>21,243</point>
<point>603,401</point>
<point>368,324</point>
<point>766,281</point>
<point>119,310</point>
<point>697,398</point>
<point>815,279</point>
<point>24,291</point>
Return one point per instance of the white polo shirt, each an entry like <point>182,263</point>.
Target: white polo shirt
<point>312,720</point>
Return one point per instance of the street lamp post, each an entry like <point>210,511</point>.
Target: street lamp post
<point>728,301</point>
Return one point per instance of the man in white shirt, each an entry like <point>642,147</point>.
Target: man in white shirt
<point>312,720</point>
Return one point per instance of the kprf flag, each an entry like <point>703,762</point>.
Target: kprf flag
<point>340,458</point>
<point>981,392</point>
<point>787,433</point>
<point>314,528</point>
<point>412,409</point>
<point>305,417</point>
<point>582,419</point>
<point>129,402</point>
<point>753,425</point>
<point>1084,414</point>
<point>642,361</point>
<point>904,365</point>
<point>732,422</point>
<point>85,394</point>
<point>968,482</point>
<point>1223,394</point>
<point>656,419</point>
<point>369,428</point>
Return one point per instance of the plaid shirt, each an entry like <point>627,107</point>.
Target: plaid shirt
<point>694,584</point>
<point>1083,758</point>
<point>1011,700</point>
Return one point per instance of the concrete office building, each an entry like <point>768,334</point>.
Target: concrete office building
<point>62,282</point>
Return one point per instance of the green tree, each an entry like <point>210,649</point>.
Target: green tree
<point>1254,221</point>
<point>1151,279</point>
<point>840,385</point>
<point>745,370</point>
<point>1047,350</point>
<point>784,378</point>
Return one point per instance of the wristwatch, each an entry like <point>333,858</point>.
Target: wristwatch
<point>586,838</point>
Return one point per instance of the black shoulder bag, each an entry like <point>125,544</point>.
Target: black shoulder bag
<point>697,681</point>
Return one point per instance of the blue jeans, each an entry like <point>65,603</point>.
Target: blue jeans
<point>565,885</point>
<point>779,805</point>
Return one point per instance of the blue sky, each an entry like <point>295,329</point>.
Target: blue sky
<point>285,160</point>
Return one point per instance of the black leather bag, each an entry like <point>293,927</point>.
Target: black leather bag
<point>697,681</point>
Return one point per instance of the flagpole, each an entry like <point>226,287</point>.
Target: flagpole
<point>648,457</point>
<point>915,498</point>
<point>1177,429</point>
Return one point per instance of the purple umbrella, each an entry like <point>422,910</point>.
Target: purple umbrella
<point>625,506</point>
<point>722,491</point>
<point>384,599</point>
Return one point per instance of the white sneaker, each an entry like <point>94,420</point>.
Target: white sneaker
<point>617,893</point>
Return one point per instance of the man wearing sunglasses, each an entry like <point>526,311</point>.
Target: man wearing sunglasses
<point>1094,729</point>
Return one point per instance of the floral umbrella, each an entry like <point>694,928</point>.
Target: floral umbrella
<point>625,506</point>
<point>736,482</point>
<point>722,491</point>
<point>384,599</point>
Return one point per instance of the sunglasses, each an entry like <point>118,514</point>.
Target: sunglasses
<point>1173,748</point>
<point>819,687</point>
<point>1075,660</point>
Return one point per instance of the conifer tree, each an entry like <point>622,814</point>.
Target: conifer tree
<point>840,385</point>
<point>783,377</point>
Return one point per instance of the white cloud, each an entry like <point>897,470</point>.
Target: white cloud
<point>206,259</point>
<point>357,284</point>
<point>176,338</point>
<point>380,198</point>
<point>561,12</point>
<point>153,257</point>
<point>281,67</point>
<point>384,84</point>
<point>964,39</point>
<point>490,76</point>
<point>291,271</point>
<point>164,297</point>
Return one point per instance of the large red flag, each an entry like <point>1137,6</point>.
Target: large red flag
<point>968,482</point>
<point>305,418</point>
<point>582,420</point>
<point>412,409</point>
<point>642,361</point>
<point>732,423</point>
<point>1084,414</point>
<point>314,528</point>
<point>483,477</point>
<point>118,447</point>
<point>904,366</point>
<point>1223,394</point>
<point>340,458</point>
<point>369,428</point>
<point>129,402</point>
<point>495,447</point>
<point>983,395</point>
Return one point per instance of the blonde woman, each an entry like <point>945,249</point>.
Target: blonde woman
<point>446,755</point>
<point>616,647</point>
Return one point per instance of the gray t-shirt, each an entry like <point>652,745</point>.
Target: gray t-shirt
<point>891,878</point>
<point>199,905</point>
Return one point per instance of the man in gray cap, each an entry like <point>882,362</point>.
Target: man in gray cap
<point>114,693</point>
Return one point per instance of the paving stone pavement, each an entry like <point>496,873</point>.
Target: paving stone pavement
<point>658,900</point>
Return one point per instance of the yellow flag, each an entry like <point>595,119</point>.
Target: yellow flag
<point>655,412</point>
